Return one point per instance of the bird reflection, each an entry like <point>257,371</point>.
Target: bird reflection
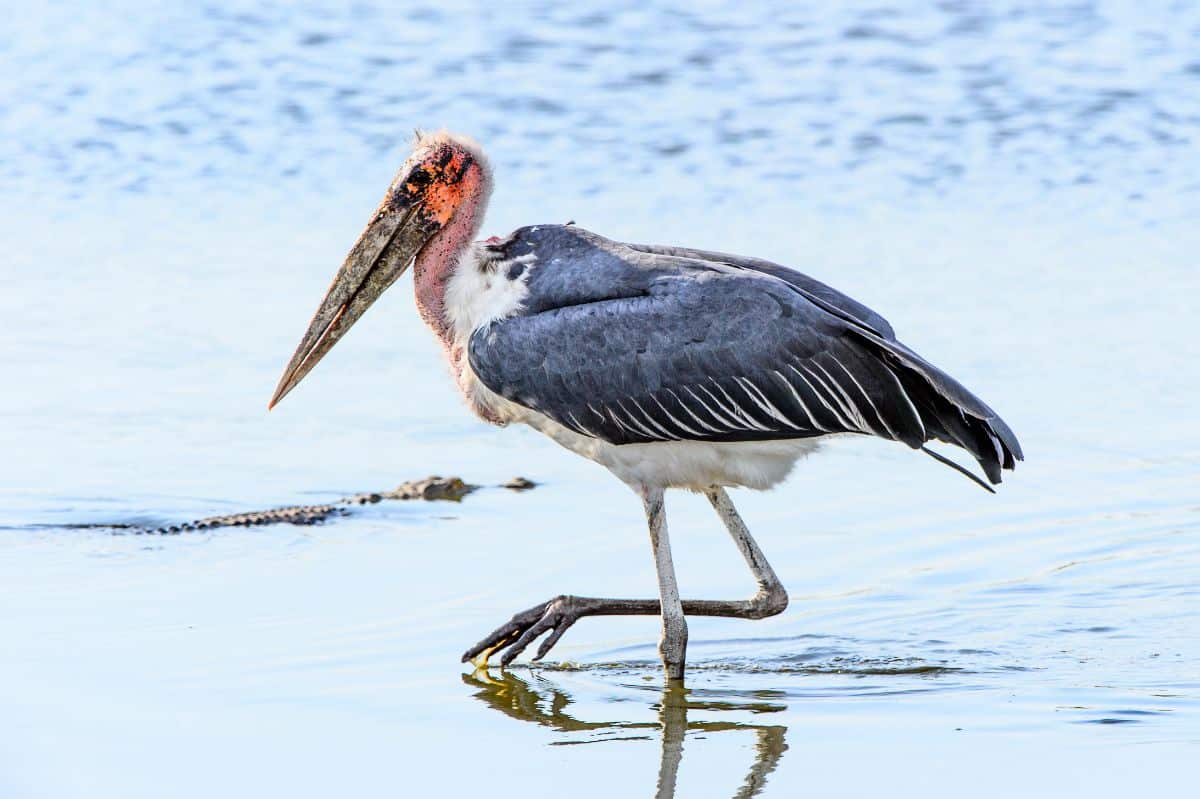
<point>536,699</point>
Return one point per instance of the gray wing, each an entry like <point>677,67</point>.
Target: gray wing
<point>828,298</point>
<point>631,347</point>
<point>716,358</point>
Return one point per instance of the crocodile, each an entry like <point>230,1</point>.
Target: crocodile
<point>434,488</point>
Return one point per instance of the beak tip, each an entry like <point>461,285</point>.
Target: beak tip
<point>391,240</point>
<point>279,394</point>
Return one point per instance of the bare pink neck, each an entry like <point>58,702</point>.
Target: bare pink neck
<point>437,260</point>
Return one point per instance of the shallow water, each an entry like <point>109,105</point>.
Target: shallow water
<point>1010,186</point>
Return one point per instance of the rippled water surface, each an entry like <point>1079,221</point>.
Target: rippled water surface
<point>1012,184</point>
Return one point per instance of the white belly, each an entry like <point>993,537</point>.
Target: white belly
<point>695,465</point>
<point>701,464</point>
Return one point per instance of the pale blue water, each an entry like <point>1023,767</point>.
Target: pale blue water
<point>1013,185</point>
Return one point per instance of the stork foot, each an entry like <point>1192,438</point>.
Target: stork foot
<point>554,616</point>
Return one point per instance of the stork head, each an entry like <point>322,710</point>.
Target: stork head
<point>437,195</point>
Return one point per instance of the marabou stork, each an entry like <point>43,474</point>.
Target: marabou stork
<point>672,367</point>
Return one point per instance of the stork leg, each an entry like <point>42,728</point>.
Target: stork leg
<point>771,598</point>
<point>672,645</point>
<point>558,614</point>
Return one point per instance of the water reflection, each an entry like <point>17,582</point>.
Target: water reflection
<point>539,700</point>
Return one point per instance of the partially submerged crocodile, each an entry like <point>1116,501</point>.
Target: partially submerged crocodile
<point>434,488</point>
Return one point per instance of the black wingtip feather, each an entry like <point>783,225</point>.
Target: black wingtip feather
<point>1009,439</point>
<point>960,469</point>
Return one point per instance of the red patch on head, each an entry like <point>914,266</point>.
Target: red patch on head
<point>443,179</point>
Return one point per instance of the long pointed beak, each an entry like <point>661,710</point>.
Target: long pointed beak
<point>381,254</point>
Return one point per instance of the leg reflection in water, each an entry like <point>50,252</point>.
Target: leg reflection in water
<point>535,698</point>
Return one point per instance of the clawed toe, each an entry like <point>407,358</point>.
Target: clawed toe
<point>554,616</point>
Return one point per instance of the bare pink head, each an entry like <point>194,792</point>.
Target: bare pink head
<point>428,218</point>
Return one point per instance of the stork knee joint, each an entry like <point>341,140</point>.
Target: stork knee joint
<point>769,602</point>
